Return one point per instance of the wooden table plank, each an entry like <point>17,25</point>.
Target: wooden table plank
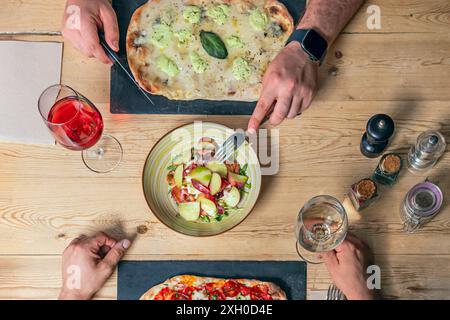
<point>403,276</point>
<point>41,204</point>
<point>401,70</point>
<point>397,16</point>
<point>415,67</point>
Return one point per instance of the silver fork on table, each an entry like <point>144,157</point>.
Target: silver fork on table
<point>334,293</point>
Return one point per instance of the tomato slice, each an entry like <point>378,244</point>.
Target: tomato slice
<point>197,185</point>
<point>216,295</point>
<point>177,194</point>
<point>210,287</point>
<point>180,296</point>
<point>245,291</point>
<point>260,292</point>
<point>231,288</point>
<point>164,294</point>
<point>225,184</point>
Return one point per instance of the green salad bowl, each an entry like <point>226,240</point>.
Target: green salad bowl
<point>156,189</point>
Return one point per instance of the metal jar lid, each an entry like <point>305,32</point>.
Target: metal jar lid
<point>424,200</point>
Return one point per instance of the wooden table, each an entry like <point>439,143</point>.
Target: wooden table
<point>48,197</point>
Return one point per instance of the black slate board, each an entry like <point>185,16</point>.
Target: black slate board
<point>126,98</point>
<point>136,277</point>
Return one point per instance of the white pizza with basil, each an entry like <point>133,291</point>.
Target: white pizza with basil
<point>206,49</point>
<point>190,287</point>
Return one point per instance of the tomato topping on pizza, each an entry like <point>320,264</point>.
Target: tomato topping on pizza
<point>203,288</point>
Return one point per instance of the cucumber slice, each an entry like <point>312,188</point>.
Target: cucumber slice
<point>178,176</point>
<point>216,184</point>
<point>189,211</point>
<point>232,197</point>
<point>208,206</point>
<point>218,167</point>
<point>201,174</point>
<point>237,180</point>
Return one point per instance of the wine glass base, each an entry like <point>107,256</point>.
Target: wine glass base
<point>308,256</point>
<point>104,156</point>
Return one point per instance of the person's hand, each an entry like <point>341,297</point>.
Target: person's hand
<point>289,85</point>
<point>81,23</point>
<point>347,265</point>
<point>87,263</point>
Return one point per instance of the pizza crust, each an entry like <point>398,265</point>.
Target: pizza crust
<point>274,290</point>
<point>141,57</point>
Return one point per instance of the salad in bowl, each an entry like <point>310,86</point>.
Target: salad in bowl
<point>206,190</point>
<point>189,191</point>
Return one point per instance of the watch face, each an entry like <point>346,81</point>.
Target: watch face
<point>314,44</point>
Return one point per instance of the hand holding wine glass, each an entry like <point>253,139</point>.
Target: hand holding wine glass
<point>347,265</point>
<point>321,227</point>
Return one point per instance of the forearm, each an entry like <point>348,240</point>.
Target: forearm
<point>329,17</point>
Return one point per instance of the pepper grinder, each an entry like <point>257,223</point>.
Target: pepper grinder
<point>379,130</point>
<point>430,146</point>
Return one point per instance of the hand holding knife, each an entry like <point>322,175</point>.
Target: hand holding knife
<point>110,52</point>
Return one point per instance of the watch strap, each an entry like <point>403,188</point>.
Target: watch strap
<point>299,35</point>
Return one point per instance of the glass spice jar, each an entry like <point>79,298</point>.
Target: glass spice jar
<point>430,146</point>
<point>421,204</point>
<point>388,169</point>
<point>363,193</point>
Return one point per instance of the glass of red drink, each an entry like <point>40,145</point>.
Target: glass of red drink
<point>77,124</point>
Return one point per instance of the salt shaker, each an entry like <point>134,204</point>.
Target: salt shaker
<point>430,146</point>
<point>421,204</point>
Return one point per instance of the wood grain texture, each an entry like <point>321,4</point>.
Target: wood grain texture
<point>47,196</point>
<point>44,16</point>
<point>402,276</point>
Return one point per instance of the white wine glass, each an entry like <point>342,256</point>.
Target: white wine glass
<point>321,226</point>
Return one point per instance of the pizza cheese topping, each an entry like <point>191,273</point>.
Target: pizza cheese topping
<point>258,20</point>
<point>235,42</point>
<point>184,36</point>
<point>168,66</point>
<point>241,69</point>
<point>219,13</point>
<point>192,14</point>
<point>161,36</point>
<point>200,65</point>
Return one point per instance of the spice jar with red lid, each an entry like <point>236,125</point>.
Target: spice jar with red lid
<point>363,193</point>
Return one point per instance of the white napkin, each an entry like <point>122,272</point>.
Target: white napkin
<point>26,69</point>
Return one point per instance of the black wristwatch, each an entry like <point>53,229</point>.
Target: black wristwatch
<point>312,43</point>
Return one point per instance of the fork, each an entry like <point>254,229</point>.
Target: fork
<point>229,146</point>
<point>334,293</point>
<point>234,142</point>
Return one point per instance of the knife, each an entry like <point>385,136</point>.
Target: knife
<point>110,52</point>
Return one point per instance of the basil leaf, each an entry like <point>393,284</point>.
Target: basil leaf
<point>213,45</point>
